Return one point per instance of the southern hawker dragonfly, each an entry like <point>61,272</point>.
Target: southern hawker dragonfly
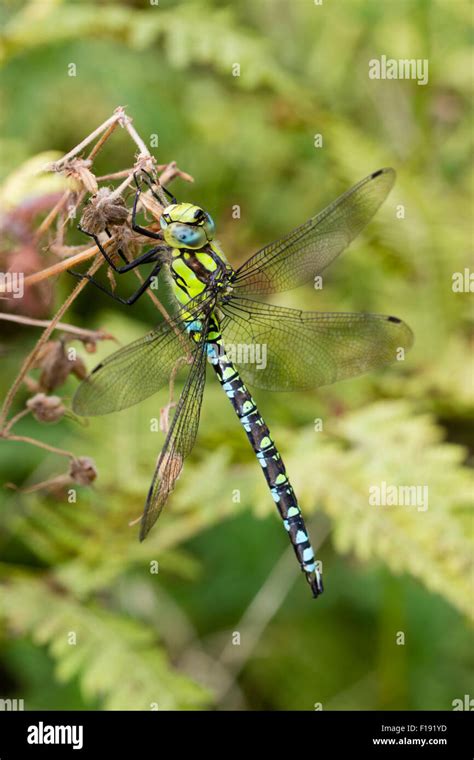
<point>216,308</point>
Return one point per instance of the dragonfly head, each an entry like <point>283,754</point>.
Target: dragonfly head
<point>186,226</point>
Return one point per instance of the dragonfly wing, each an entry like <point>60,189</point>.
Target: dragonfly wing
<point>179,441</point>
<point>281,349</point>
<point>308,249</point>
<point>140,369</point>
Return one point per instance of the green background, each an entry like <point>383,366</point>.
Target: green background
<point>391,630</point>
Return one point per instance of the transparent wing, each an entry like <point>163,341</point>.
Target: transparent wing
<point>179,441</point>
<point>308,249</point>
<point>280,349</point>
<point>140,369</point>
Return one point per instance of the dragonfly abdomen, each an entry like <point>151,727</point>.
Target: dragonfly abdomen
<point>271,462</point>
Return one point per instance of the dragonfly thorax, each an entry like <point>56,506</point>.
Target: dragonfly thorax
<point>186,226</point>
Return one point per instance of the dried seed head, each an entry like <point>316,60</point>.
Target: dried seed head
<point>83,471</point>
<point>78,168</point>
<point>78,368</point>
<point>57,364</point>
<point>46,408</point>
<point>104,211</point>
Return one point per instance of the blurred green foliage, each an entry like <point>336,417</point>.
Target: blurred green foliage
<point>145,638</point>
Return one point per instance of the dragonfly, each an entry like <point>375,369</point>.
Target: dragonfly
<point>218,309</point>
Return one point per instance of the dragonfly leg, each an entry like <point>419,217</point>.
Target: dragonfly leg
<point>118,249</point>
<point>150,182</point>
<point>126,301</point>
<point>137,227</point>
<point>145,258</point>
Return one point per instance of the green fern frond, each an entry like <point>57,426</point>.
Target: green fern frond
<point>117,660</point>
<point>389,443</point>
<point>189,35</point>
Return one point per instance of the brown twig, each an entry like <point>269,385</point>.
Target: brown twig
<point>63,266</point>
<point>44,226</point>
<point>48,220</point>
<point>39,444</point>
<point>116,116</point>
<point>126,122</point>
<point>164,412</point>
<point>80,332</point>
<point>115,175</point>
<point>14,420</point>
<point>30,359</point>
<point>101,142</point>
<point>79,169</point>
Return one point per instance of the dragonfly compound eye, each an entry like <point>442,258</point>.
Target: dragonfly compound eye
<point>209,226</point>
<point>185,236</point>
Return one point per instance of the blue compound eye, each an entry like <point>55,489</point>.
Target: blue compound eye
<point>163,222</point>
<point>209,227</point>
<point>188,236</point>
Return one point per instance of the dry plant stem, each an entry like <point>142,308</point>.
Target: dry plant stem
<point>100,143</point>
<point>170,171</point>
<point>63,266</point>
<point>60,225</point>
<point>116,116</point>
<point>40,445</point>
<point>59,480</point>
<point>178,364</point>
<point>79,332</point>
<point>62,251</point>
<point>48,220</point>
<point>30,359</point>
<point>126,122</point>
<point>164,416</point>
<point>46,223</point>
<point>108,126</point>
<point>62,203</point>
<point>97,147</point>
<point>14,420</point>
<point>115,175</point>
<point>79,258</point>
<point>79,198</point>
<point>104,131</point>
<point>119,190</point>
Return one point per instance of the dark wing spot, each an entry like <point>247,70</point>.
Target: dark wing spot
<point>97,368</point>
<point>377,173</point>
<point>394,319</point>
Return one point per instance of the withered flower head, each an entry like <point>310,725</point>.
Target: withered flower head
<point>104,211</point>
<point>83,471</point>
<point>46,408</point>
<point>56,365</point>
